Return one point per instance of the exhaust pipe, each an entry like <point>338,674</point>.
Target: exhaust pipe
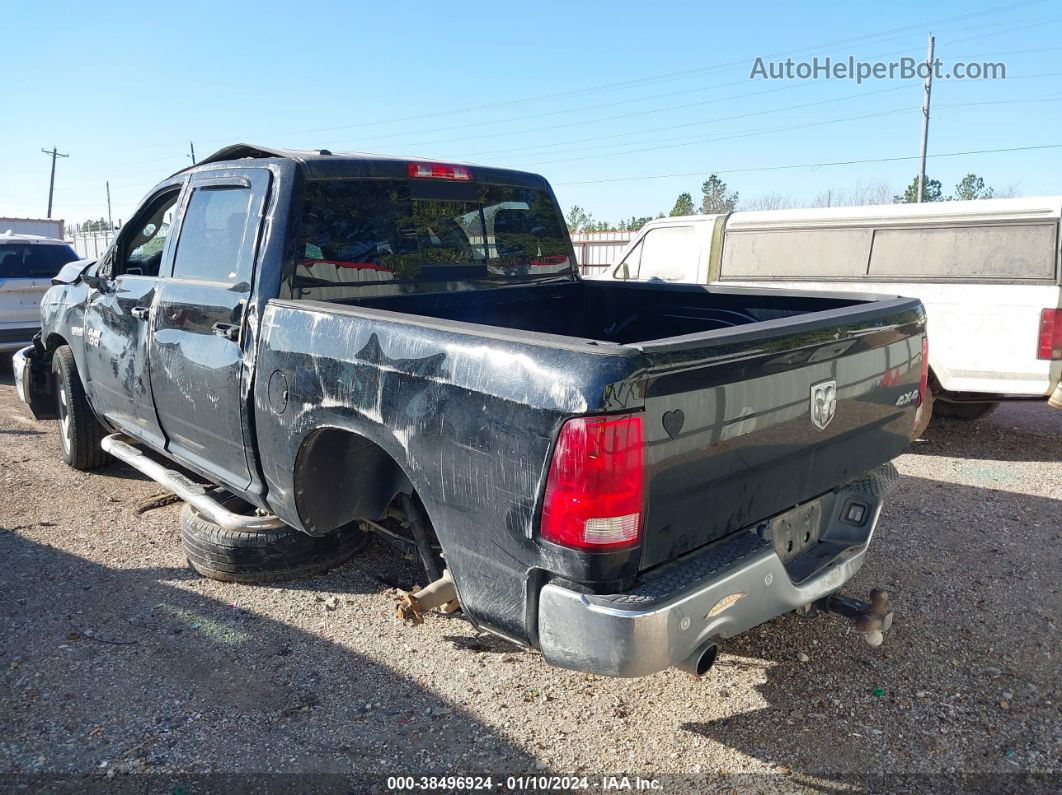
<point>700,661</point>
<point>441,593</point>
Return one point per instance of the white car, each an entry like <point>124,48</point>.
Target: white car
<point>988,273</point>
<point>27,265</point>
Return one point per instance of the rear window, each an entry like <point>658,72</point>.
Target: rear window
<point>33,260</point>
<point>408,235</point>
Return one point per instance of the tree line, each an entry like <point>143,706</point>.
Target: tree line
<point>717,198</point>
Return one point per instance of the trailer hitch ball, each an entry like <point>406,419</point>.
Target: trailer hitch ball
<point>870,619</point>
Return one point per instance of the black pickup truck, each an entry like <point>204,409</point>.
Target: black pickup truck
<point>310,347</point>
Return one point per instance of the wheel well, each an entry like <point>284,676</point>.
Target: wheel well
<point>54,341</point>
<point>341,476</point>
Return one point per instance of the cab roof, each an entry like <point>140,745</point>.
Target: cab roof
<point>323,163</point>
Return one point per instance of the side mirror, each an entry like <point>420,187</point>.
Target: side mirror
<point>625,272</point>
<point>95,275</point>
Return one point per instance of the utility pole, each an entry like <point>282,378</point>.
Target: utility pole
<point>925,119</point>
<point>110,223</point>
<point>191,148</point>
<point>51,183</point>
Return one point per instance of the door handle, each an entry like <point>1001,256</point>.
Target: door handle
<point>230,331</point>
<point>140,312</point>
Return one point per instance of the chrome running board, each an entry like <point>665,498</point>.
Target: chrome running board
<point>124,449</point>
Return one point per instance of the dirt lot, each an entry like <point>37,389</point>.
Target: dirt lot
<point>117,659</point>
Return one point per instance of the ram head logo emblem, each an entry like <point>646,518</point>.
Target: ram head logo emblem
<point>823,403</point>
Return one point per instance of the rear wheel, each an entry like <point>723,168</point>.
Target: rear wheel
<point>79,430</point>
<point>964,411</point>
<point>262,555</point>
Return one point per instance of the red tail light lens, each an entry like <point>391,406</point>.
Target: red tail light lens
<point>1050,346</point>
<point>439,171</point>
<point>594,491</point>
<point>923,383</point>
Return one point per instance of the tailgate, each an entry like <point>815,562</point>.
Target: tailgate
<point>745,423</point>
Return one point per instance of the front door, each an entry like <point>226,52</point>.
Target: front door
<point>118,319</point>
<point>197,371</point>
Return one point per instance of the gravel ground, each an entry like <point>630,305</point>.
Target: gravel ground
<point>117,659</point>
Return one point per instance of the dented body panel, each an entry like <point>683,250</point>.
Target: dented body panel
<point>322,404</point>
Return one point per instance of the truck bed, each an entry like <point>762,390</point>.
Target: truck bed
<point>611,312</point>
<point>723,378</point>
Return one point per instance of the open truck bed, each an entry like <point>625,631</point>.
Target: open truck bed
<point>617,474</point>
<point>724,378</point>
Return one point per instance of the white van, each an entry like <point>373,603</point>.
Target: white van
<point>987,271</point>
<point>27,265</point>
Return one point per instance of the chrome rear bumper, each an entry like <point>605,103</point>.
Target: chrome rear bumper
<point>732,586</point>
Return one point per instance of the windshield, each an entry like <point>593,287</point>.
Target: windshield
<point>406,236</point>
<point>33,260</point>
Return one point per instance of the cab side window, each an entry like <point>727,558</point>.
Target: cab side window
<point>214,234</point>
<point>628,269</point>
<point>141,253</point>
<point>670,253</point>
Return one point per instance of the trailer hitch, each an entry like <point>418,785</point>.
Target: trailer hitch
<point>871,619</point>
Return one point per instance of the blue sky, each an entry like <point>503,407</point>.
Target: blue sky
<point>595,96</point>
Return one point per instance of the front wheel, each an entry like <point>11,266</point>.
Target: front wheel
<point>79,430</point>
<point>965,411</point>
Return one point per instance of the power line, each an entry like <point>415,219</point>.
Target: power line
<point>879,35</point>
<point>619,102</point>
<point>748,115</point>
<point>787,128</point>
<point>664,109</point>
<point>1009,52</point>
<point>728,137</point>
<point>815,165</point>
<point>668,75</point>
<point>715,120</point>
<point>658,77</point>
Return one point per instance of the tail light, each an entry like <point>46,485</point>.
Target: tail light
<point>439,171</point>
<point>594,491</point>
<point>923,383</point>
<point>1050,344</point>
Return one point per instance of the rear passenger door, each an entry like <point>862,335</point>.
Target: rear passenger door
<point>196,348</point>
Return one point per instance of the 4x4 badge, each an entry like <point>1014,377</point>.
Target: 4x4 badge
<point>823,403</point>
